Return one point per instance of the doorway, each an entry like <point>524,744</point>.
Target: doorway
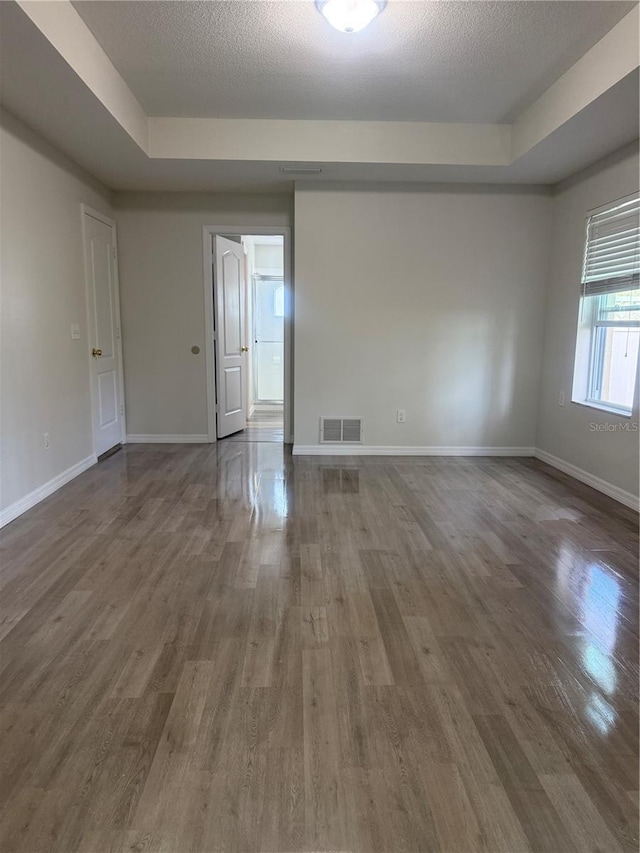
<point>248,370</point>
<point>265,263</point>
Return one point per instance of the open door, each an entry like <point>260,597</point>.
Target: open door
<point>228,297</point>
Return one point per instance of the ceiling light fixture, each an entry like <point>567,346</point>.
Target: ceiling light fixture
<point>350,16</point>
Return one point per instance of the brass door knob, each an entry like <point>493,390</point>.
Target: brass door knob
<point>96,353</point>
<point>244,349</point>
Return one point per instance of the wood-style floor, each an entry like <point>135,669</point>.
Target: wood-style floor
<point>266,424</point>
<point>224,648</point>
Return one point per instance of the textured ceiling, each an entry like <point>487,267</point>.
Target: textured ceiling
<point>40,88</point>
<point>419,61</point>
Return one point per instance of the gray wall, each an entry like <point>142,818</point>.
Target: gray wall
<point>566,431</point>
<point>161,276</point>
<point>430,301</point>
<point>44,374</point>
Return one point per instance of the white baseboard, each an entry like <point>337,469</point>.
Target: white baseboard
<point>603,486</point>
<point>168,439</point>
<point>46,489</point>
<point>618,494</point>
<point>391,450</point>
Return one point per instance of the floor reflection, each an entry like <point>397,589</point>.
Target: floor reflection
<point>600,713</point>
<point>341,481</point>
<point>600,614</point>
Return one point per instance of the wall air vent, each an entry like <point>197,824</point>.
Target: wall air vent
<point>340,430</point>
<point>302,171</point>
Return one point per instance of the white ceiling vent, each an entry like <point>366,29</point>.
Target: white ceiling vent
<point>340,430</point>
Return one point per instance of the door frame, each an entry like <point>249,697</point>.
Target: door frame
<point>86,210</point>
<point>208,233</point>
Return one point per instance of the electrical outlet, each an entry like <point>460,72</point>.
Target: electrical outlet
<point>401,416</point>
<point>47,441</point>
<point>561,398</point>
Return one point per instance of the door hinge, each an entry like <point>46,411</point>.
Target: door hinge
<point>122,409</point>
<point>114,253</point>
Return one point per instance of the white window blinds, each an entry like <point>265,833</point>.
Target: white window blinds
<point>612,255</point>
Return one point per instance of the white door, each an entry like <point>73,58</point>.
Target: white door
<point>103,334</point>
<point>228,298</point>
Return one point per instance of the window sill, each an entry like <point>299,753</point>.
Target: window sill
<point>602,407</point>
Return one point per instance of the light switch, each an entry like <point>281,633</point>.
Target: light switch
<point>75,331</point>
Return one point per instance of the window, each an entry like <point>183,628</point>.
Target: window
<point>609,320</point>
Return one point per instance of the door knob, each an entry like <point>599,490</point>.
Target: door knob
<point>96,353</point>
<point>244,349</point>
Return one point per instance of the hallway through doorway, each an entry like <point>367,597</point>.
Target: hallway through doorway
<point>265,424</point>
